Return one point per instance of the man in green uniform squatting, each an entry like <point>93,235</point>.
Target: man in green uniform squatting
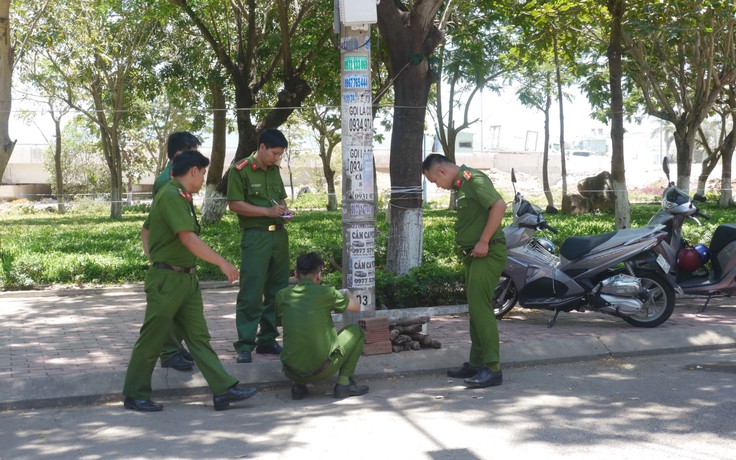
<point>173,354</point>
<point>478,234</point>
<point>173,293</point>
<point>255,192</point>
<point>313,350</point>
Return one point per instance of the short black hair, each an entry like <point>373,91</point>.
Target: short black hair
<point>435,159</point>
<point>180,141</point>
<point>310,263</point>
<point>273,138</point>
<point>187,160</point>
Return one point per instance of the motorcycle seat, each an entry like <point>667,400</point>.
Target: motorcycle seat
<point>724,234</point>
<point>577,246</point>
<point>722,237</point>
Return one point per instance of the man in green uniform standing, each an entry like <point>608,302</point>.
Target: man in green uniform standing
<point>313,350</point>
<point>479,236</point>
<point>255,192</point>
<point>173,293</point>
<point>173,354</point>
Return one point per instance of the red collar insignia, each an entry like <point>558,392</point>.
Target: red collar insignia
<point>187,196</point>
<point>255,166</point>
<point>458,182</point>
<point>241,165</point>
<point>467,174</point>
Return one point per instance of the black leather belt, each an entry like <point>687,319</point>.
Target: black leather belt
<point>306,376</point>
<point>173,268</point>
<point>468,251</point>
<point>268,228</point>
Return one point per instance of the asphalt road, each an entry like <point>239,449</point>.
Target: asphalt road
<point>658,407</point>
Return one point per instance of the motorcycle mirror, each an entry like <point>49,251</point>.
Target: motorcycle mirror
<point>666,167</point>
<point>513,181</point>
<point>699,198</point>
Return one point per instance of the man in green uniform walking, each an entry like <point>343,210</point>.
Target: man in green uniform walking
<point>479,236</point>
<point>255,192</point>
<point>173,293</point>
<point>173,354</point>
<point>313,350</point>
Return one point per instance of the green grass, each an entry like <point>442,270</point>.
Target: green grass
<point>85,247</point>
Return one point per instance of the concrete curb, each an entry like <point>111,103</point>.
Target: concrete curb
<point>106,386</point>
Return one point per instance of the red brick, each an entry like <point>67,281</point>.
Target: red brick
<point>378,348</point>
<point>377,336</point>
<point>370,324</point>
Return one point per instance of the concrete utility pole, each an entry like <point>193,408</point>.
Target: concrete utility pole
<point>353,22</point>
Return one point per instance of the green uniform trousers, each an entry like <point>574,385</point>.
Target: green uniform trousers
<point>481,278</point>
<point>172,343</point>
<point>172,296</point>
<point>344,359</point>
<point>264,271</point>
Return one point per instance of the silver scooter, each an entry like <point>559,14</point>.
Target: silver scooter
<point>622,273</point>
<point>677,207</point>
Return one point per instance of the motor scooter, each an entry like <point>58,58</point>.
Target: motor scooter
<point>720,278</point>
<point>617,273</point>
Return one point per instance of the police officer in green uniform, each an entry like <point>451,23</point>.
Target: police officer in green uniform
<point>478,234</point>
<point>173,354</point>
<point>173,293</point>
<point>313,350</point>
<point>255,192</point>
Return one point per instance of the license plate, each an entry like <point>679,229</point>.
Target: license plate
<point>663,263</point>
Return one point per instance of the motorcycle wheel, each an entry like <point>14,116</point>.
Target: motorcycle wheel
<point>660,305</point>
<point>505,296</point>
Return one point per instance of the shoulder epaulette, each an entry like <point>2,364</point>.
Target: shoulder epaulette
<point>467,175</point>
<point>242,164</point>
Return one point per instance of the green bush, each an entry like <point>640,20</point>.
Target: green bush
<point>85,246</point>
<point>424,286</point>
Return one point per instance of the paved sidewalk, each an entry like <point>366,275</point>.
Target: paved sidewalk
<point>63,347</point>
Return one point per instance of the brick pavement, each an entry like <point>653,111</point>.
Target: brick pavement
<point>47,335</point>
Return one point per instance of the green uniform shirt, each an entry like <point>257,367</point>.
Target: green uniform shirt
<point>172,211</point>
<point>309,333</point>
<point>162,179</point>
<point>247,181</point>
<point>475,196</point>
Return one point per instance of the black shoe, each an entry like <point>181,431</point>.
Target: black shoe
<point>245,357</point>
<point>464,372</point>
<point>274,349</point>
<point>485,378</point>
<point>186,355</point>
<point>353,389</point>
<point>142,405</point>
<point>299,391</point>
<point>232,394</point>
<point>178,362</point>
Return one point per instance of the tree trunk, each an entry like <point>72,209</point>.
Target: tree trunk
<point>566,206</point>
<point>545,156</point>
<point>326,156</point>
<point>729,145</point>
<point>450,153</point>
<point>405,205</point>
<point>618,169</point>
<point>684,143</point>
<point>214,202</point>
<point>410,37</point>
<point>709,164</point>
<point>57,168</point>
<point>6,78</point>
<point>116,183</point>
<point>726,198</point>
